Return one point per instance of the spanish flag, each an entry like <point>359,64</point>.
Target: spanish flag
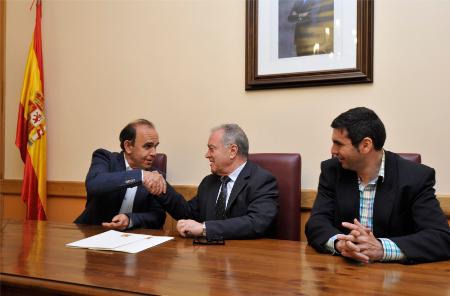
<point>31,137</point>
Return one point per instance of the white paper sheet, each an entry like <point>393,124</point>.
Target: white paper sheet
<point>120,241</point>
<point>143,244</point>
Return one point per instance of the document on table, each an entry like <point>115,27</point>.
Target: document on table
<point>113,240</point>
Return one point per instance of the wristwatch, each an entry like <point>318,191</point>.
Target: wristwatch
<point>204,229</point>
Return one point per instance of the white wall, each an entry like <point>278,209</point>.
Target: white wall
<point>180,63</point>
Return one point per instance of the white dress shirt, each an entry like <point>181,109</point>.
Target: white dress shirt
<point>128,200</point>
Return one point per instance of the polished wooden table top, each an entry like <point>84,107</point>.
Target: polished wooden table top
<point>33,254</point>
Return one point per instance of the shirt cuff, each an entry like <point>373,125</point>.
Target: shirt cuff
<point>391,251</point>
<point>204,229</point>
<point>130,222</point>
<point>329,245</point>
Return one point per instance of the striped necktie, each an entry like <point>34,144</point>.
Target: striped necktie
<point>221,201</point>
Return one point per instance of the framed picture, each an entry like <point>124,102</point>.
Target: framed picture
<point>295,43</point>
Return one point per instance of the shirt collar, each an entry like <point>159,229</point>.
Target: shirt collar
<point>127,166</point>
<point>381,171</point>
<point>380,176</point>
<point>233,176</point>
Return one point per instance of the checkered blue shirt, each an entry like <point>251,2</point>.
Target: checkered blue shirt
<point>366,200</point>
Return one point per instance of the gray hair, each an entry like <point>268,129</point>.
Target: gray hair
<point>234,134</point>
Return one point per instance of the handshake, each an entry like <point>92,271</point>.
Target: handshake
<point>154,182</point>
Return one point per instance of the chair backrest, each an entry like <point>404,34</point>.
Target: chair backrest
<point>160,163</point>
<point>286,167</point>
<point>414,157</point>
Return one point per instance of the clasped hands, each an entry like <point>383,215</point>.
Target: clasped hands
<point>154,182</point>
<point>360,244</point>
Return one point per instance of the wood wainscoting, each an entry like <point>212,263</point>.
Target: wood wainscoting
<point>66,200</point>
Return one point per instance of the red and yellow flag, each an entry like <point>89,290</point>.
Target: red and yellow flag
<point>31,136</point>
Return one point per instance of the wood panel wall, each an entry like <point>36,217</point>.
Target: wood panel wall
<point>66,201</point>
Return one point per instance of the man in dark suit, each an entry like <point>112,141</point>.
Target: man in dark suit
<point>121,187</point>
<point>238,200</point>
<point>373,205</point>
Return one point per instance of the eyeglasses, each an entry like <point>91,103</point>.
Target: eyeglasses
<point>208,241</point>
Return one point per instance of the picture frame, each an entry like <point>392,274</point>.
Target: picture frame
<point>344,55</point>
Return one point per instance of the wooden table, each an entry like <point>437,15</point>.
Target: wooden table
<point>33,257</point>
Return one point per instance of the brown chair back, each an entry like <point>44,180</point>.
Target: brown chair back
<point>286,167</point>
<point>160,163</point>
<point>414,157</point>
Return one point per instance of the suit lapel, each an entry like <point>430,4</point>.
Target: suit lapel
<point>119,166</point>
<point>348,196</point>
<point>140,193</point>
<point>240,183</point>
<point>385,196</point>
<point>211,196</point>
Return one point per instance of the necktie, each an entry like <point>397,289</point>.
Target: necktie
<point>220,204</point>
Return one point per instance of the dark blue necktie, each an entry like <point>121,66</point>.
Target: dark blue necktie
<point>221,200</point>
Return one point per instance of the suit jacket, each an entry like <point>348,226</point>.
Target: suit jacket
<point>251,209</point>
<point>106,184</point>
<point>405,209</point>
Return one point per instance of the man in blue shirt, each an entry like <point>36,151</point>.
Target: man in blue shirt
<point>373,205</point>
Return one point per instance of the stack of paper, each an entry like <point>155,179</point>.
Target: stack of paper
<point>120,241</point>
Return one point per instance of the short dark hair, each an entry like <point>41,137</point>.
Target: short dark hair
<point>128,133</point>
<point>360,123</point>
<point>234,134</point>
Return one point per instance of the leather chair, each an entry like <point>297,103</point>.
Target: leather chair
<point>160,163</point>
<point>414,157</point>
<point>286,167</point>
